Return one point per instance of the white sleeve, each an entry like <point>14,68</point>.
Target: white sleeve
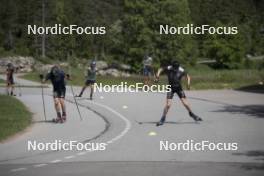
<point>169,67</point>
<point>181,69</point>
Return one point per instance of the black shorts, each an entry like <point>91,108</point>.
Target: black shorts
<point>89,82</point>
<point>178,90</point>
<point>59,92</point>
<point>10,81</point>
<point>147,71</point>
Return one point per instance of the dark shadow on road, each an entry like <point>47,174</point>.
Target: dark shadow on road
<point>169,122</point>
<point>78,98</point>
<point>258,154</point>
<point>252,89</point>
<point>210,101</point>
<point>250,110</point>
<point>252,153</point>
<point>43,121</point>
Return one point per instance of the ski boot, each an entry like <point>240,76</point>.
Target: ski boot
<point>195,117</point>
<point>161,122</point>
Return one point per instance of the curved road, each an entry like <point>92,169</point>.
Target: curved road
<point>126,122</point>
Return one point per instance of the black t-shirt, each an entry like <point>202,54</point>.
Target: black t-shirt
<point>57,78</point>
<point>174,75</point>
<point>10,71</point>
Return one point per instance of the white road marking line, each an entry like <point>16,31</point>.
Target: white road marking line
<point>55,161</point>
<point>81,153</point>
<point>127,122</point>
<point>69,157</point>
<point>101,97</point>
<point>119,136</point>
<point>40,165</point>
<point>19,169</point>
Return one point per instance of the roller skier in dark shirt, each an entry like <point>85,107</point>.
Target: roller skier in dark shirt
<point>57,78</point>
<point>175,73</point>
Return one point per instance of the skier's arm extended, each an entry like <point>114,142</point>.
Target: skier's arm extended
<point>188,79</point>
<point>43,78</point>
<point>160,70</point>
<point>68,77</point>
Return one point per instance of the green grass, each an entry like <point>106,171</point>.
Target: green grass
<point>14,116</point>
<point>3,84</point>
<point>78,78</point>
<point>225,79</point>
<point>202,78</point>
<point>32,76</point>
<point>2,81</point>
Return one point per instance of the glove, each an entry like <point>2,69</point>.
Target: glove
<point>156,80</point>
<point>68,76</point>
<point>41,76</point>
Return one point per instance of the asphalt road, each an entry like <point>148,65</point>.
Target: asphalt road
<point>126,123</point>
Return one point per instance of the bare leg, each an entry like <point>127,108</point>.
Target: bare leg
<point>187,106</point>
<point>63,108</point>
<point>83,89</point>
<point>167,107</point>
<point>165,111</point>
<point>57,107</point>
<point>146,80</point>
<point>62,104</point>
<point>92,91</point>
<point>12,89</point>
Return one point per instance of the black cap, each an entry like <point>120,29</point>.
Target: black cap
<point>9,64</point>
<point>175,64</point>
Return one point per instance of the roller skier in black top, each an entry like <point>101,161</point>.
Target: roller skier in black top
<point>175,73</point>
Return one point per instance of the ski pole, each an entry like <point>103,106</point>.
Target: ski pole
<point>77,106</point>
<point>19,85</point>
<point>43,100</point>
<point>68,77</point>
<point>19,88</point>
<point>20,91</point>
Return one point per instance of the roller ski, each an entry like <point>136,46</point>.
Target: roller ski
<point>195,117</point>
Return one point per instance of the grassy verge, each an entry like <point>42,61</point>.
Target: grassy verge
<point>14,116</point>
<point>3,84</point>
<point>78,78</point>
<point>225,79</point>
<point>2,81</point>
<point>202,78</point>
